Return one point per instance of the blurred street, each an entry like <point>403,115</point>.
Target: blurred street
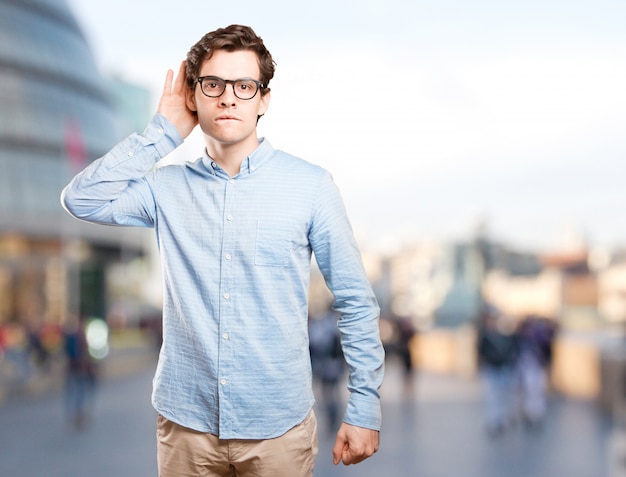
<point>433,429</point>
<point>439,433</point>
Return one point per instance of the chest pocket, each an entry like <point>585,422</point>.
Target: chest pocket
<point>273,245</point>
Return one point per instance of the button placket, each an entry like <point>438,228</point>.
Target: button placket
<point>227,367</point>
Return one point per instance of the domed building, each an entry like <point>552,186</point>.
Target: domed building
<point>56,116</point>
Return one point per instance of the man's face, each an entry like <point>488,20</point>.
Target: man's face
<point>228,119</point>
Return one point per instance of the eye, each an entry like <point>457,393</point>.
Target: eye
<point>210,84</point>
<point>245,85</point>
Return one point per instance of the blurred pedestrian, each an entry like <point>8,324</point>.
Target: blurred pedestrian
<point>328,363</point>
<point>237,228</point>
<point>37,351</point>
<point>406,334</point>
<point>536,336</point>
<point>497,353</point>
<point>80,377</point>
<point>16,351</point>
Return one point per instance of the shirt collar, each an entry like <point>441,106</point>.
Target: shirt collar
<point>251,163</point>
<point>257,158</point>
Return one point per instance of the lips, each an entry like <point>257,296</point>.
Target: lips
<point>226,117</point>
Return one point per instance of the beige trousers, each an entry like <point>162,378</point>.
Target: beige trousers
<point>183,452</point>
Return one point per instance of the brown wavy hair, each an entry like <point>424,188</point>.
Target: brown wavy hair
<point>231,38</point>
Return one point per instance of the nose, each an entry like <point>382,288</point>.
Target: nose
<point>228,97</point>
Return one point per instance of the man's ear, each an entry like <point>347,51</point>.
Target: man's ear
<point>191,100</point>
<point>264,104</point>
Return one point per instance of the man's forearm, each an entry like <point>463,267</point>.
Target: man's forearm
<point>93,193</point>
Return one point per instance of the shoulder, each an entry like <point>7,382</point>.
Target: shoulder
<point>291,159</point>
<point>177,169</point>
<point>297,167</point>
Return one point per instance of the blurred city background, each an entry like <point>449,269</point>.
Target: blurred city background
<point>480,151</point>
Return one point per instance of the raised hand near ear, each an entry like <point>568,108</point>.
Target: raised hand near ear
<point>173,102</point>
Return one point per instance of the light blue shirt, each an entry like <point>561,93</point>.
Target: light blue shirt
<point>236,256</point>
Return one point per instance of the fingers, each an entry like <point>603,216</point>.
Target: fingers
<point>173,103</point>
<point>339,449</point>
<point>167,87</point>
<point>176,86</point>
<point>181,79</point>
<point>342,452</point>
<point>354,445</point>
<point>353,456</point>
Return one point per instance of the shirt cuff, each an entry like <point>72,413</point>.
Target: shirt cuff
<point>364,411</point>
<point>162,134</point>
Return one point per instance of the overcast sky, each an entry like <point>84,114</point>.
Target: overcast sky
<point>431,115</point>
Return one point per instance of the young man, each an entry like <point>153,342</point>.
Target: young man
<point>236,230</point>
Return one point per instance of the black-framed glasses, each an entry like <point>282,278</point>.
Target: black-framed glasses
<point>244,88</point>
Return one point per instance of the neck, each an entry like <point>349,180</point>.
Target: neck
<point>230,156</point>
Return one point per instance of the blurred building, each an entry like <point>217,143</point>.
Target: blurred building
<point>612,289</point>
<point>132,103</point>
<point>57,114</point>
<point>443,284</point>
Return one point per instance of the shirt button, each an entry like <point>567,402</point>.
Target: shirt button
<point>214,164</point>
<point>225,336</point>
<point>228,256</point>
<point>160,130</point>
<point>227,295</point>
<point>131,153</point>
<point>223,381</point>
<point>231,181</point>
<point>229,217</point>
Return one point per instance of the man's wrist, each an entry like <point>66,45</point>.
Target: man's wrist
<point>364,411</point>
<point>162,134</point>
